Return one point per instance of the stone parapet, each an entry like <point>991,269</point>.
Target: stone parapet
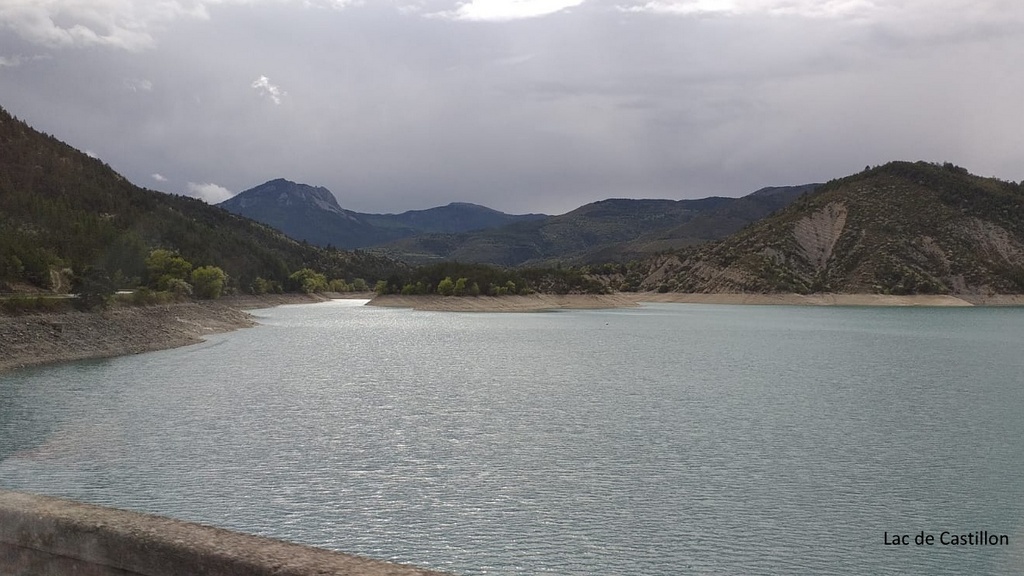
<point>43,536</point>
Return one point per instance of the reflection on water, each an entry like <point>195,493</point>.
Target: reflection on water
<point>662,440</point>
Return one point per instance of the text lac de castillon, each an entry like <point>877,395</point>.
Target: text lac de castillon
<point>979,538</point>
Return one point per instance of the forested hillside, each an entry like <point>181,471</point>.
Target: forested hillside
<point>63,213</point>
<point>614,230</point>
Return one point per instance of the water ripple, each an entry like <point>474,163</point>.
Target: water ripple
<point>664,440</point>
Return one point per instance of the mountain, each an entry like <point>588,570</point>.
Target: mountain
<point>61,209</point>
<point>901,228</point>
<point>305,213</point>
<point>608,230</point>
<point>454,218</point>
<point>313,214</point>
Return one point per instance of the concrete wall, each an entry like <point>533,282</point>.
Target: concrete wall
<point>43,536</point>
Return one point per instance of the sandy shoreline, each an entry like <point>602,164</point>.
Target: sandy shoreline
<point>539,302</point>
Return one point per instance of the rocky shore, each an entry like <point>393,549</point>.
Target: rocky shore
<point>34,339</point>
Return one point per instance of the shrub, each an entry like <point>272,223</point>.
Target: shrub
<point>179,288</point>
<point>308,281</point>
<point>147,297</point>
<point>208,282</point>
<point>163,266</point>
<point>446,287</point>
<point>33,304</point>
<point>337,285</point>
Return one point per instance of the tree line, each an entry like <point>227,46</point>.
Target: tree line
<point>458,279</point>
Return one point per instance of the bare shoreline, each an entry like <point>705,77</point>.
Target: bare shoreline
<point>881,300</point>
<point>37,339</point>
<point>540,302</point>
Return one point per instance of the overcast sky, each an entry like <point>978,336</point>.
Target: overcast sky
<point>520,105</point>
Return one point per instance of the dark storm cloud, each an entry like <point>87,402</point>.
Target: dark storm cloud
<point>400,105</point>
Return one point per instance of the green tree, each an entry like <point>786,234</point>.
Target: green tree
<point>163,266</point>
<point>260,286</point>
<point>10,267</point>
<point>208,282</point>
<point>381,288</point>
<point>92,288</point>
<point>460,287</point>
<point>179,288</point>
<point>127,256</point>
<point>360,285</point>
<point>338,285</point>
<point>446,287</point>
<point>309,281</point>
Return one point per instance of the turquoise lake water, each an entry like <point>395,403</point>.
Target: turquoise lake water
<point>667,439</point>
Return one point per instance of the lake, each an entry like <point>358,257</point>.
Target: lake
<point>662,440</point>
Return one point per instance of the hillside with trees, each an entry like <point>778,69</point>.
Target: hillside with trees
<point>67,220</point>
<point>901,228</point>
<point>456,279</point>
<point>613,230</point>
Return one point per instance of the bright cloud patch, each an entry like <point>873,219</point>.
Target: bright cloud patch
<point>807,8</point>
<point>159,177</point>
<point>500,10</point>
<point>266,88</point>
<point>209,193</point>
<point>331,3</point>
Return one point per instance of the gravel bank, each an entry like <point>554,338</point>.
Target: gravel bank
<point>536,302</point>
<point>35,339</point>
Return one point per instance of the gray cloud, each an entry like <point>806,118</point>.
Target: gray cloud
<point>111,23</point>
<point>396,104</point>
